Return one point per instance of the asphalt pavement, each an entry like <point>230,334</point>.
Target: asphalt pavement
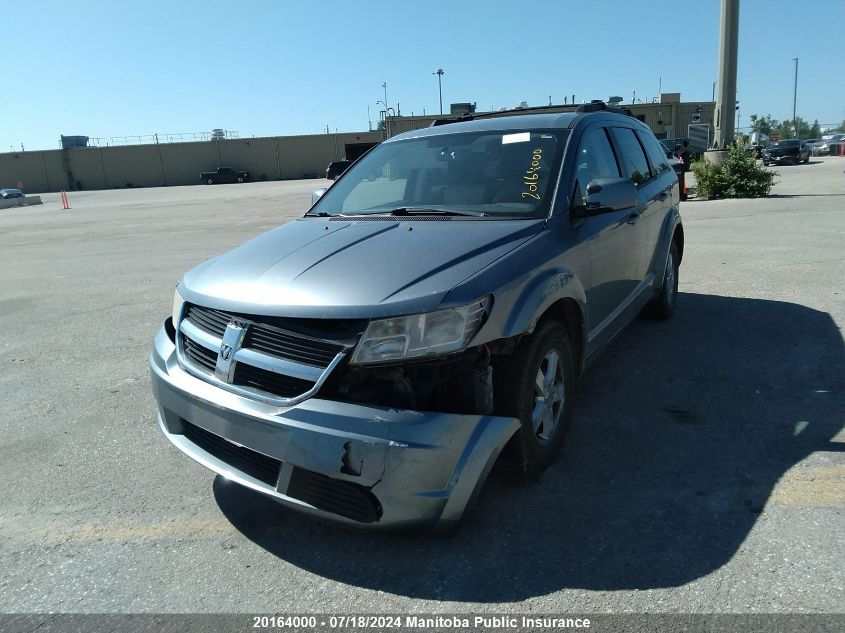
<point>704,472</point>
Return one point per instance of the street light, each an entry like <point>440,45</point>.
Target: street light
<point>439,73</point>
<point>795,98</point>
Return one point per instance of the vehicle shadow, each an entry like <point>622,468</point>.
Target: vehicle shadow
<point>803,195</point>
<point>680,433</point>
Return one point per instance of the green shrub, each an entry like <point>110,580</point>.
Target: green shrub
<point>739,176</point>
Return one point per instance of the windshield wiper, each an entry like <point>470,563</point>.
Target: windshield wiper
<point>321,214</point>
<point>425,211</point>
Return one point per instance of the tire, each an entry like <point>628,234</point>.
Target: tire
<point>765,163</point>
<point>210,181</point>
<point>240,178</point>
<point>807,160</point>
<point>536,385</point>
<point>663,305</point>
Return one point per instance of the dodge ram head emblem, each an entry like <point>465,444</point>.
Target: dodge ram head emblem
<point>233,337</point>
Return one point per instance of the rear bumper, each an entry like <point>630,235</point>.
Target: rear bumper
<point>362,465</point>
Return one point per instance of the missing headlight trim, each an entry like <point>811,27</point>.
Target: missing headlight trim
<point>460,383</point>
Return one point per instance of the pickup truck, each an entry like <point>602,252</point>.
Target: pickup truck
<point>224,174</point>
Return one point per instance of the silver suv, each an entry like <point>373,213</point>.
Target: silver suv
<point>431,313</point>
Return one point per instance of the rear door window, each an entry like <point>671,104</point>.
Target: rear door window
<point>632,159</point>
<point>656,152</point>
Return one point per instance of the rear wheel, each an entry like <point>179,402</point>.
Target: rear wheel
<point>663,305</point>
<point>536,385</point>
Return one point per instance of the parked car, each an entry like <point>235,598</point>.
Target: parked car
<point>672,144</point>
<point>789,151</point>
<point>432,311</point>
<point>335,169</point>
<point>822,147</point>
<point>11,193</point>
<point>222,175</point>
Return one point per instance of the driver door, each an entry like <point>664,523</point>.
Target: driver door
<point>609,236</point>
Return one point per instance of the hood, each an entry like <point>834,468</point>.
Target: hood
<point>314,268</point>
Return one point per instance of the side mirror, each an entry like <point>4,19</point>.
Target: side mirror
<point>610,194</point>
<point>316,195</point>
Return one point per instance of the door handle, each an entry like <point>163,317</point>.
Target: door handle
<point>663,195</point>
<point>632,219</point>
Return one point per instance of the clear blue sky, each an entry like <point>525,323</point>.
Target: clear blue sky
<point>114,67</point>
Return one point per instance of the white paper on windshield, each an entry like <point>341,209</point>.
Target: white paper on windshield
<point>521,137</point>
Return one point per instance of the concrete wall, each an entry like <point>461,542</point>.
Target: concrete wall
<point>265,158</point>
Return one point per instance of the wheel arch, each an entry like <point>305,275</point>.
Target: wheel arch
<point>568,312</point>
<point>678,238</point>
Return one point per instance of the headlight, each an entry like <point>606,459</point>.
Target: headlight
<point>419,335</point>
<point>178,303</point>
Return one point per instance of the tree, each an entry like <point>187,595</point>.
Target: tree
<point>764,124</point>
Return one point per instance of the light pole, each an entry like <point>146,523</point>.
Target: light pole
<point>723,126</point>
<point>439,73</point>
<point>384,85</point>
<point>795,99</point>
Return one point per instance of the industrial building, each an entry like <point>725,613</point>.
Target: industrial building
<point>80,167</point>
<point>668,118</point>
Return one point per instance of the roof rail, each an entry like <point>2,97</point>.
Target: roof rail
<point>597,105</point>
<point>464,117</point>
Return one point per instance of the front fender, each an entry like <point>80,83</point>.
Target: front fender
<point>525,283</point>
<point>538,295</point>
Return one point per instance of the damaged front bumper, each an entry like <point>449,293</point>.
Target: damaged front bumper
<point>364,465</point>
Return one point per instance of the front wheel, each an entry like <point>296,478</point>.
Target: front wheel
<point>536,386</point>
<point>663,305</point>
<point>210,181</point>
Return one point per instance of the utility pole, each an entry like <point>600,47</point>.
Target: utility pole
<point>726,97</point>
<point>795,100</point>
<point>439,73</point>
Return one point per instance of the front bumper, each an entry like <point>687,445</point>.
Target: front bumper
<point>368,466</point>
<point>790,158</point>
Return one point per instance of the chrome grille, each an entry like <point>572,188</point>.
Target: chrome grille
<point>268,338</point>
<point>200,355</point>
<point>254,358</point>
<point>279,384</point>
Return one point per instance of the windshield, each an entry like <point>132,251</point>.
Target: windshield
<point>496,174</point>
<point>786,144</point>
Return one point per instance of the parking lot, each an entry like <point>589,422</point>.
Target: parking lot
<point>704,471</point>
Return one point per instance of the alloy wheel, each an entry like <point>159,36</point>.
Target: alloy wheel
<point>549,397</point>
